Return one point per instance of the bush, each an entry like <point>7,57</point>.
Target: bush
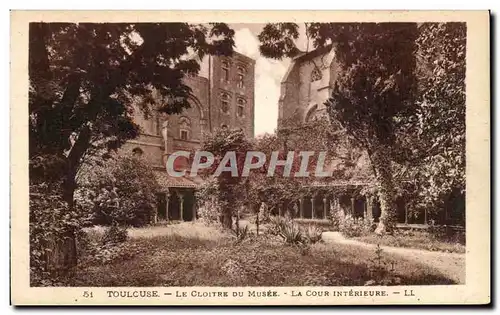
<point>313,234</point>
<point>115,235</point>
<point>120,190</point>
<point>292,233</point>
<point>354,227</point>
<point>52,226</point>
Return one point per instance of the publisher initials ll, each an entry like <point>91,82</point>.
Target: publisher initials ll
<point>409,293</point>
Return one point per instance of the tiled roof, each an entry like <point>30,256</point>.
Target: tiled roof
<point>166,181</point>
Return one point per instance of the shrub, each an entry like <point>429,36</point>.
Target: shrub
<point>264,213</point>
<point>208,213</point>
<point>313,234</point>
<point>276,225</point>
<point>354,227</point>
<point>288,230</point>
<point>120,190</point>
<point>242,234</point>
<point>115,235</point>
<point>335,216</point>
<point>51,226</point>
<point>291,233</point>
<point>210,206</point>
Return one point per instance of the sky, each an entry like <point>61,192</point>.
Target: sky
<point>268,75</point>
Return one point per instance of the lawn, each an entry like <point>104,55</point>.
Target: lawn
<point>190,254</point>
<point>418,240</point>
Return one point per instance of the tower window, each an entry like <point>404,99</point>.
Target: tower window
<point>240,110</point>
<point>225,70</point>
<point>224,105</point>
<point>184,134</point>
<point>241,77</point>
<point>184,128</point>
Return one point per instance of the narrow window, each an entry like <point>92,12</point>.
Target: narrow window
<point>224,105</point>
<point>184,135</point>
<point>240,110</point>
<point>241,77</point>
<point>225,70</point>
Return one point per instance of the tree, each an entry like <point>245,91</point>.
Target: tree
<point>434,137</point>
<point>85,77</point>
<point>230,189</point>
<point>375,88</point>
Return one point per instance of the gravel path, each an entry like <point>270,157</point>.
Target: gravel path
<point>451,265</point>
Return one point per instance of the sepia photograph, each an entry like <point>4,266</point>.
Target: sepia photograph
<point>278,153</point>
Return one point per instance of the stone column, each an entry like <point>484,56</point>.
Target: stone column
<point>164,133</point>
<point>369,207</point>
<point>352,206</point>
<point>312,208</point>
<point>406,213</point>
<point>194,210</point>
<point>181,207</point>
<point>425,216</point>
<point>325,207</point>
<point>336,204</point>
<point>203,126</point>
<point>167,198</point>
<point>301,208</point>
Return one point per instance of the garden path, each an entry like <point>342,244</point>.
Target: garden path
<point>451,265</point>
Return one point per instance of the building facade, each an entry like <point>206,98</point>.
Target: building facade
<point>222,96</point>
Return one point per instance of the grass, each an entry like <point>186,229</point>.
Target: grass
<point>417,239</point>
<point>190,254</point>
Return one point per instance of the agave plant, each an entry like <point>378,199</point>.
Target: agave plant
<point>291,233</point>
<point>313,234</point>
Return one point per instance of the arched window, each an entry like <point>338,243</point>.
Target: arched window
<point>137,152</point>
<point>225,70</point>
<point>184,128</point>
<point>312,113</point>
<point>241,77</point>
<point>224,104</point>
<point>316,75</point>
<point>240,110</point>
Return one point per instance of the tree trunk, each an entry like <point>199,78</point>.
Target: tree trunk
<point>64,252</point>
<point>227,218</point>
<point>386,192</point>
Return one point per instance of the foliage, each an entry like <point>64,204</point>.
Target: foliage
<point>292,233</point>
<point>229,192</point>
<point>120,190</point>
<point>350,226</point>
<point>382,270</point>
<point>313,234</point>
<point>435,135</point>
<point>104,246</point>
<point>50,222</point>
<point>401,96</point>
<point>294,137</point>
<point>86,78</point>
<point>241,234</point>
<point>185,258</point>
<point>115,234</point>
